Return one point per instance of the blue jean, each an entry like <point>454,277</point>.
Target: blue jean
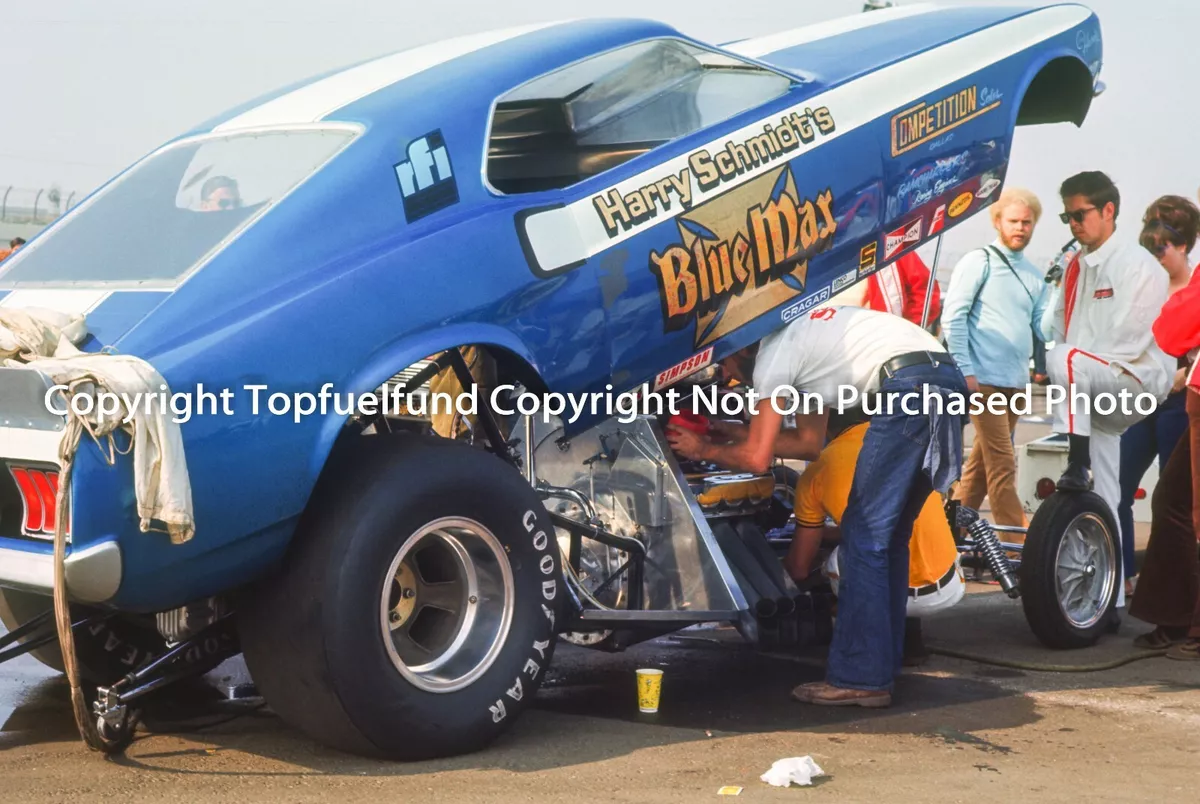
<point>903,458</point>
<point>1153,437</point>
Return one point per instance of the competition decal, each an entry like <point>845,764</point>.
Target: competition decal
<point>928,120</point>
<point>741,254</point>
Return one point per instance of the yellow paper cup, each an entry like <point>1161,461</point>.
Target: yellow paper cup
<point>649,686</point>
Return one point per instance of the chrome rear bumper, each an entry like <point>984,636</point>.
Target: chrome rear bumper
<point>93,575</point>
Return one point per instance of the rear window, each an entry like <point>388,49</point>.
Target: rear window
<point>172,210</point>
<point>596,114</point>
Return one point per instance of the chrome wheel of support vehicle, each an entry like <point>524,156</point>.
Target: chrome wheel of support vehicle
<point>415,614</point>
<point>449,606</point>
<point>1084,569</point>
<point>1070,570</point>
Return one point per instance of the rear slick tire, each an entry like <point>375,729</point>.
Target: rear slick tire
<point>1071,570</point>
<point>414,616</point>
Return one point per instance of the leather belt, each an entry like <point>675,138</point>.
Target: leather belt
<point>899,362</point>
<point>930,588</point>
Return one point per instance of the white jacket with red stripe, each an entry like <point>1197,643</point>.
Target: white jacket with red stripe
<point>1107,305</point>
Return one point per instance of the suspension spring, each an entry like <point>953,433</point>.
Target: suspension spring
<point>988,543</point>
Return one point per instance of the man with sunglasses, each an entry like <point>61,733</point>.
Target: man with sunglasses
<point>219,193</point>
<point>1110,295</point>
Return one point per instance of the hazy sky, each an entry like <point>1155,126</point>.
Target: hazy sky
<point>89,86</point>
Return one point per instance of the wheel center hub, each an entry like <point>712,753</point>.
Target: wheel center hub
<point>1090,570</point>
<point>404,594</point>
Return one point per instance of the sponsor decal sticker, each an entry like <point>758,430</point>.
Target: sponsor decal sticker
<point>801,307</point>
<point>706,171</point>
<point>990,185</point>
<point>426,177</point>
<point>961,204</point>
<point>867,259</point>
<point>1103,293</point>
<point>896,241</point>
<point>741,254</point>
<point>845,280</point>
<point>927,120</point>
<point>681,370</point>
<point>939,220</point>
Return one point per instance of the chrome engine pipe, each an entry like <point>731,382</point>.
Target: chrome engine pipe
<point>579,498</point>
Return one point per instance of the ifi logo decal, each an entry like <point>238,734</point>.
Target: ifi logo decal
<point>741,254</point>
<point>426,177</point>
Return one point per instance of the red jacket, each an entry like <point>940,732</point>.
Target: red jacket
<point>1177,329</point>
<point>900,289</point>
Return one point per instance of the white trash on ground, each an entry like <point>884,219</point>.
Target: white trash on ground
<point>800,770</point>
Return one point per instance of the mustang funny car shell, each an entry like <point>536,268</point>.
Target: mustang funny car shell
<point>601,203</point>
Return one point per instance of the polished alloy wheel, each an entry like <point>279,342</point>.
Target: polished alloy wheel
<point>447,606</point>
<point>1086,569</point>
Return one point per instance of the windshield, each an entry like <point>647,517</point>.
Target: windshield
<point>172,210</point>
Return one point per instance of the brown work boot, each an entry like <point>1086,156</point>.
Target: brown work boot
<point>822,694</point>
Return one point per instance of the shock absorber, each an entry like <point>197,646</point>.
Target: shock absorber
<point>988,543</point>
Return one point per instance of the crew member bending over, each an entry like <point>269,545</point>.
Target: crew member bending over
<point>904,457</point>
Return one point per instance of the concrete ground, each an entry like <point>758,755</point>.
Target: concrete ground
<point>957,731</point>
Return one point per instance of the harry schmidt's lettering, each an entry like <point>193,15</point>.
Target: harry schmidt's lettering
<point>707,170</point>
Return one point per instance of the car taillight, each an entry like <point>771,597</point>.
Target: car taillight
<point>1045,487</point>
<point>39,490</point>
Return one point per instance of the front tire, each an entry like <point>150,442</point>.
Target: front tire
<point>414,616</point>
<point>1071,570</point>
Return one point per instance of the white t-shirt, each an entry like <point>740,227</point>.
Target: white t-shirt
<point>836,346</point>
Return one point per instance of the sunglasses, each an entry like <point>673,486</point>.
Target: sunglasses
<point>1077,215</point>
<point>1154,241</point>
<point>228,203</point>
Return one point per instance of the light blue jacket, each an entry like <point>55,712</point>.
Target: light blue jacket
<point>991,313</point>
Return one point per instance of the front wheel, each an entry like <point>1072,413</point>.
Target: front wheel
<point>1071,570</point>
<point>414,617</point>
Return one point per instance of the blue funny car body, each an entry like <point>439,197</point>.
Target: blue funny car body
<point>600,204</point>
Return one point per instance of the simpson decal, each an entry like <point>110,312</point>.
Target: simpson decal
<point>708,170</point>
<point>741,254</point>
<point>926,121</point>
<point>689,366</point>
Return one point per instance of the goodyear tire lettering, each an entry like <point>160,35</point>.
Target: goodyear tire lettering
<point>539,540</point>
<point>540,647</point>
<point>529,521</point>
<point>497,710</point>
<point>532,668</point>
<point>549,589</point>
<point>516,691</point>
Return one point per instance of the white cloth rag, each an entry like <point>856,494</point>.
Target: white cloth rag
<point>32,332</point>
<point>160,476</point>
<point>800,770</point>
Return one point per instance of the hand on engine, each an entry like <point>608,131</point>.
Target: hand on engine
<point>688,445</point>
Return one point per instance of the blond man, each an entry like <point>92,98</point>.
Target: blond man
<point>996,296</point>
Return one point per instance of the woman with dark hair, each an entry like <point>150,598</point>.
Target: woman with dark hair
<point>1167,593</point>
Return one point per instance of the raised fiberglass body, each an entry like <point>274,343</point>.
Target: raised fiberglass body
<point>659,199</point>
